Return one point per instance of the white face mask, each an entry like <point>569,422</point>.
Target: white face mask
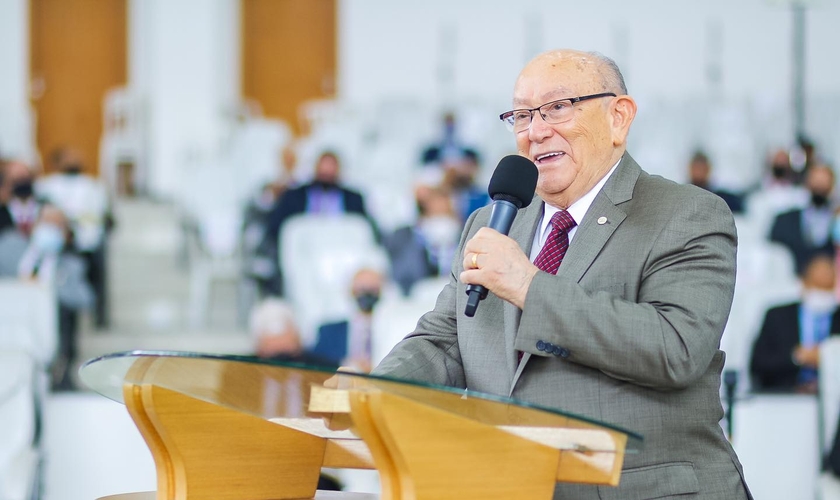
<point>440,230</point>
<point>819,301</point>
<point>48,238</point>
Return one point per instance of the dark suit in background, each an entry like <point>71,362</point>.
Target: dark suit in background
<point>788,229</point>
<point>771,364</point>
<point>411,260</point>
<point>332,342</point>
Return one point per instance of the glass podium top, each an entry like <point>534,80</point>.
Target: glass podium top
<point>300,395</point>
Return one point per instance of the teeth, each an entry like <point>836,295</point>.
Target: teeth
<point>549,155</point>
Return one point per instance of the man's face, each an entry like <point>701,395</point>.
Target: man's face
<point>820,180</point>
<point>699,172</point>
<point>327,170</point>
<point>572,156</point>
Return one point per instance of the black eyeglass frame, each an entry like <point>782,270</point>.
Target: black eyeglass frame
<point>572,101</point>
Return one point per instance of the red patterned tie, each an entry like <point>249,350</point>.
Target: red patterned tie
<point>552,253</point>
<point>555,247</point>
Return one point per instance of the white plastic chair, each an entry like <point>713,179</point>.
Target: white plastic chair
<point>20,392</point>
<point>318,257</point>
<point>29,319</point>
<point>777,442</point>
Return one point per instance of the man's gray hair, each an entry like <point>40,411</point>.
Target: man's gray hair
<point>611,77</point>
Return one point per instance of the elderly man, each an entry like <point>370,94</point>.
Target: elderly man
<point>627,329</point>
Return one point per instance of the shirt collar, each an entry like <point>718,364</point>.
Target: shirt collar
<point>579,208</point>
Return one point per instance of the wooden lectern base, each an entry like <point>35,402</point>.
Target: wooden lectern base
<point>319,495</point>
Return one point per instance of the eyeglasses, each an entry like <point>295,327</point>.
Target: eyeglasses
<point>552,112</point>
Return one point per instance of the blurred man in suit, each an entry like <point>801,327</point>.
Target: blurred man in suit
<point>348,342</point>
<point>425,248</point>
<point>625,326</point>
<point>324,195</point>
<point>806,232</point>
<point>700,175</point>
<point>785,356</point>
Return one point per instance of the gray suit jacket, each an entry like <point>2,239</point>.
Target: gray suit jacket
<point>634,317</point>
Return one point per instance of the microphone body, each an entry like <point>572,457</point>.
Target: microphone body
<point>501,219</point>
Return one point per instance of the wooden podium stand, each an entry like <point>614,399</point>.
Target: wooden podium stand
<point>235,428</point>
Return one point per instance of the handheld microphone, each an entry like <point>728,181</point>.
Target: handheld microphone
<point>511,188</point>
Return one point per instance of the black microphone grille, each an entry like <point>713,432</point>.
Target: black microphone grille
<point>514,180</point>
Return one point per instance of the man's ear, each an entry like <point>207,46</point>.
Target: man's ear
<point>622,113</point>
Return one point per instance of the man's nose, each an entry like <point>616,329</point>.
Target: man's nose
<point>539,129</point>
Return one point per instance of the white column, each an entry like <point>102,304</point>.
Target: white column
<point>184,66</point>
<point>17,137</point>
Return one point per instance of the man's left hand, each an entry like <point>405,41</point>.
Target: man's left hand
<point>495,261</point>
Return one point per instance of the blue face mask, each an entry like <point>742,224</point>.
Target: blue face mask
<point>48,238</point>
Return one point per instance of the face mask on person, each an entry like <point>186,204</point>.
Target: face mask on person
<point>780,171</point>
<point>48,238</point>
<point>819,301</point>
<point>73,169</point>
<point>366,301</point>
<point>326,185</point>
<point>440,230</point>
<point>819,200</point>
<point>22,189</point>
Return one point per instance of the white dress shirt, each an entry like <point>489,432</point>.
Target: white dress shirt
<point>577,210</point>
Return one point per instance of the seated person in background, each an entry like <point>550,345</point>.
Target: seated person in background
<point>259,259</point>
<point>806,232</point>
<point>18,195</point>
<point>785,356</point>
<point>700,175</point>
<point>459,180</point>
<point>349,342</point>
<point>778,190</point>
<point>49,259</point>
<point>84,200</point>
<point>426,248</point>
<point>276,335</point>
<point>323,196</point>
<point>450,147</point>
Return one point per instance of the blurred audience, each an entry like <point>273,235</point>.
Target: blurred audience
<point>700,175</point>
<point>84,200</point>
<point>459,178</point>
<point>426,248</point>
<point>785,356</point>
<point>806,232</point>
<point>259,252</point>
<point>50,259</point>
<point>449,148</point>
<point>348,342</point>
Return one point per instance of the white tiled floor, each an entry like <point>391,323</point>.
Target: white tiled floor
<point>149,292</point>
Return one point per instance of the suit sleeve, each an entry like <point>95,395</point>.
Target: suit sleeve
<point>431,353</point>
<point>667,337</point>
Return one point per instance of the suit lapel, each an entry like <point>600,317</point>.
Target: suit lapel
<point>601,220</point>
<point>587,243</point>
